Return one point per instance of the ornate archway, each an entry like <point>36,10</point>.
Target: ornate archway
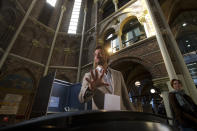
<point>135,70</point>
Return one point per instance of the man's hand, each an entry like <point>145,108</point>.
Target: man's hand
<point>96,80</point>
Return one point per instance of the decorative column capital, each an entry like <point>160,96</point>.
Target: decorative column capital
<point>100,10</point>
<point>142,19</point>
<point>161,83</point>
<point>95,1</point>
<point>101,41</point>
<point>85,9</point>
<point>145,12</point>
<point>115,4</point>
<point>162,87</point>
<point>63,8</point>
<point>115,1</point>
<point>119,33</point>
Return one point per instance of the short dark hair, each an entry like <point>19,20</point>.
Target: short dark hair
<point>172,81</point>
<point>102,48</point>
<point>99,47</point>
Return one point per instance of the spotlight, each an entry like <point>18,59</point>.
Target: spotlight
<point>110,50</point>
<point>184,24</point>
<point>137,83</point>
<point>152,91</point>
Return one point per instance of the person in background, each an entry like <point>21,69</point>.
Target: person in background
<point>161,109</point>
<point>103,80</point>
<point>183,108</point>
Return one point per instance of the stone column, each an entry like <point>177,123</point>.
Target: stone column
<point>100,14</point>
<point>116,5</point>
<point>164,85</point>
<point>54,40</point>
<point>165,96</point>
<point>7,51</point>
<point>166,57</point>
<point>186,75</point>
<point>96,22</point>
<point>82,42</point>
<point>142,20</point>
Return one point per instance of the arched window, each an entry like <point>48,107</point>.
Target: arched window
<point>122,3</point>
<point>132,32</point>
<point>108,9</point>
<point>111,41</point>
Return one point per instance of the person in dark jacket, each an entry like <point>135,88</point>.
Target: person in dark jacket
<point>183,107</point>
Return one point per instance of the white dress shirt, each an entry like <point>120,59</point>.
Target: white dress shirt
<point>107,78</point>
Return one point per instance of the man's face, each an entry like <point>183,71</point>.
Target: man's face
<point>99,57</point>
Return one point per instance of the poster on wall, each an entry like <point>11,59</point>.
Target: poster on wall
<point>10,104</point>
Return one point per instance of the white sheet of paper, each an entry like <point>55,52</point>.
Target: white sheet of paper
<point>111,102</point>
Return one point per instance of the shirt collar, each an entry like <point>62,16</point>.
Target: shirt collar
<point>100,69</point>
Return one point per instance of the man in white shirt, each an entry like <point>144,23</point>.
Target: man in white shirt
<point>103,80</point>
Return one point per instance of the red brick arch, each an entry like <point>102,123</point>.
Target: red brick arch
<point>147,65</point>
